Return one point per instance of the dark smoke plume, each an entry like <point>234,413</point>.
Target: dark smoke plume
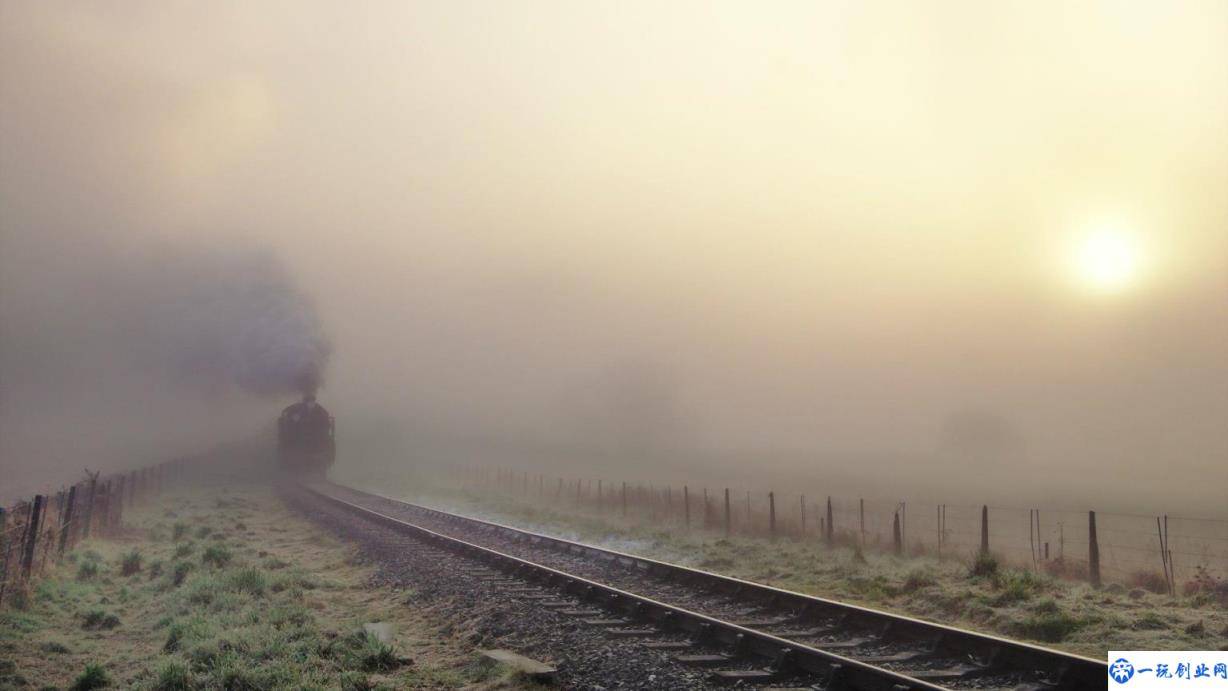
<point>237,318</point>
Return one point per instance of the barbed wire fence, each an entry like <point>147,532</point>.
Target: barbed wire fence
<point>44,528</point>
<point>1165,553</point>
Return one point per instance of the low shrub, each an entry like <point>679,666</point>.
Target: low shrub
<point>1046,606</point>
<point>98,619</point>
<point>93,677</point>
<point>216,555</point>
<point>54,648</point>
<point>918,579</point>
<point>182,569</point>
<point>355,681</point>
<point>87,570</point>
<point>130,563</point>
<point>174,675</point>
<point>1206,587</point>
<point>363,651</point>
<point>1015,586</point>
<point>184,550</point>
<point>179,531</point>
<point>1051,627</point>
<point>985,565</point>
<point>247,580</point>
<point>203,590</point>
<point>293,579</point>
<point>19,597</point>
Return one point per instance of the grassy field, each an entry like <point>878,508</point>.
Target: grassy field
<point>982,595</point>
<point>224,589</point>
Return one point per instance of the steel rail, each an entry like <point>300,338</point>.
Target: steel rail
<point>1061,670</point>
<point>783,656</point>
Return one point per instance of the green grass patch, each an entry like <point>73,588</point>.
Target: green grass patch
<point>985,565</point>
<point>174,675</point>
<point>94,676</point>
<point>248,580</point>
<point>217,556</point>
<point>87,570</point>
<point>181,571</point>
<point>130,563</point>
<point>99,619</point>
<point>1050,627</point>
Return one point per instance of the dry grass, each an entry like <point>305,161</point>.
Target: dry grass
<point>981,594</point>
<point>268,602</point>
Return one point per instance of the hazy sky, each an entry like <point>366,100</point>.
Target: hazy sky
<point>932,236</point>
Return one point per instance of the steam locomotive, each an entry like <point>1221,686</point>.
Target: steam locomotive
<point>306,444</point>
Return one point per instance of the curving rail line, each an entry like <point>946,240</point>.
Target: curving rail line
<point>878,650</point>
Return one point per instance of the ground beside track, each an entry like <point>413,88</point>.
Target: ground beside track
<point>484,613</point>
<point>266,600</point>
<point>1065,614</point>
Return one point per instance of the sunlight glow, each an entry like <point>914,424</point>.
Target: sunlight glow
<point>1107,258</point>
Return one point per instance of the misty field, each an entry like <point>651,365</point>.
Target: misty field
<point>1046,602</point>
<point>222,588</point>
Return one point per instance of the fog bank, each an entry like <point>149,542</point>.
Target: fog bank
<point>834,242</point>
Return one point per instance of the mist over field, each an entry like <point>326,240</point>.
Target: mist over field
<point>970,251</point>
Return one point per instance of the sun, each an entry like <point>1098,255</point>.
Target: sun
<point>1107,258</point>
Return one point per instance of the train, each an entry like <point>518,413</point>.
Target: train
<point>306,438</point>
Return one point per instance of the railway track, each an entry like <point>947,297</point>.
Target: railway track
<point>746,632</point>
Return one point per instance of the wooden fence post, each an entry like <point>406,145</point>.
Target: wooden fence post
<point>984,529</point>
<point>831,528</point>
<point>772,515</point>
<point>1093,551</point>
<point>624,500</point>
<point>4,552</point>
<point>68,511</point>
<point>862,520</point>
<point>802,502</point>
<point>686,506</point>
<point>104,508</point>
<point>727,519</point>
<point>117,511</point>
<point>89,506</point>
<point>27,559</point>
<point>897,540</point>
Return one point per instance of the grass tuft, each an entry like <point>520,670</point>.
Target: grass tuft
<point>54,648</point>
<point>130,563</point>
<point>248,580</point>
<point>918,579</point>
<point>1015,586</point>
<point>1050,627</point>
<point>93,677</point>
<point>87,571</point>
<point>174,675</point>
<point>99,619</point>
<point>216,555</point>
<point>985,565</point>
<point>182,569</point>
